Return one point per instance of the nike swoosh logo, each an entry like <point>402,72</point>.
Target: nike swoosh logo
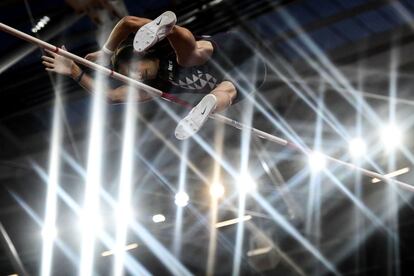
<point>159,21</point>
<point>204,111</point>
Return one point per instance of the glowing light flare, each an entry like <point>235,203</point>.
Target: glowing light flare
<point>391,137</point>
<point>158,218</point>
<point>33,215</point>
<point>247,183</point>
<point>317,161</point>
<point>181,199</point>
<point>217,190</point>
<point>357,147</point>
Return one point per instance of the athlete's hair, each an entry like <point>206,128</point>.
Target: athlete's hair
<point>126,54</point>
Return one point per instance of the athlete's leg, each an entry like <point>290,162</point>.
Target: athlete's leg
<point>189,52</point>
<point>220,98</point>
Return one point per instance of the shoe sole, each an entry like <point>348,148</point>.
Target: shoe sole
<point>187,127</point>
<point>147,36</point>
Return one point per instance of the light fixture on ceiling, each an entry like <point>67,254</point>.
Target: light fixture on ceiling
<point>233,221</point>
<point>181,199</point>
<point>41,24</point>
<point>112,252</point>
<point>217,190</point>
<point>317,161</point>
<point>158,218</point>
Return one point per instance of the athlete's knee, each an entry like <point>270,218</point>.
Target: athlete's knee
<point>187,61</point>
<point>128,21</point>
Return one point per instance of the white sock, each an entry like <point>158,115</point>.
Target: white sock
<point>215,102</point>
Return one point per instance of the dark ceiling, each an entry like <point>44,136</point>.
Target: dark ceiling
<point>337,69</point>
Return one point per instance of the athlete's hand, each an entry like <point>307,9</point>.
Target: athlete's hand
<point>99,57</point>
<point>58,64</point>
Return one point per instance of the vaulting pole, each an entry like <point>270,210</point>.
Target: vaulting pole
<point>157,93</point>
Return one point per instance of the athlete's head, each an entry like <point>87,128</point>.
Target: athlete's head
<point>135,65</point>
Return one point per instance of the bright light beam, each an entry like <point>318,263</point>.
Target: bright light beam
<point>168,259</point>
<point>134,267</point>
<point>93,179</point>
<point>245,185</point>
<point>326,75</point>
<point>327,157</point>
<point>357,147</point>
<point>217,190</point>
<point>52,186</point>
<point>317,161</point>
<point>123,205</point>
<point>215,195</point>
<point>173,265</point>
<point>392,197</point>
<point>391,137</point>
<point>181,201</point>
<point>317,164</point>
<point>333,71</point>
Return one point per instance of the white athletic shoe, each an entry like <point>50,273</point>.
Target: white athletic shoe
<point>196,118</point>
<point>154,31</point>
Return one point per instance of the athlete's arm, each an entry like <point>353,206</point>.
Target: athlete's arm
<point>114,95</point>
<point>61,65</point>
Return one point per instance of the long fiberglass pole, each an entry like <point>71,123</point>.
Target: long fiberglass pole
<point>155,92</point>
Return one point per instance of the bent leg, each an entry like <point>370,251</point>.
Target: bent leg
<point>220,98</point>
<point>189,51</point>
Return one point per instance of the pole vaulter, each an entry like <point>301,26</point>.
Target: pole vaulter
<point>168,97</point>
